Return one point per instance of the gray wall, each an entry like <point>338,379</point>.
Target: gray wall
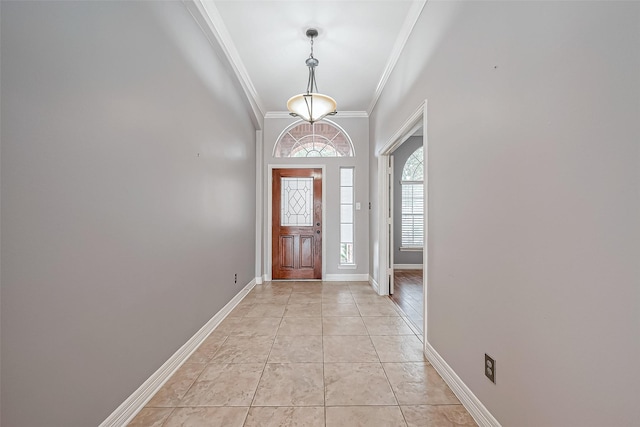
<point>357,128</point>
<point>118,241</point>
<point>534,195</point>
<point>400,156</point>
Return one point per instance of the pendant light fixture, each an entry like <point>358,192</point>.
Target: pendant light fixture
<point>311,106</point>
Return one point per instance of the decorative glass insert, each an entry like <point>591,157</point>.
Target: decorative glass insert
<point>296,202</point>
<point>319,139</point>
<point>413,201</point>
<point>346,216</point>
<point>413,169</point>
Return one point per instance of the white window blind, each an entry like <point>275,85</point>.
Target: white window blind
<point>412,214</point>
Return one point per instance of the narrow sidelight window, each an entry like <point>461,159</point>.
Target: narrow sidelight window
<point>346,216</point>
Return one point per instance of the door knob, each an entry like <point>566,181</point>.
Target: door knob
<point>317,231</point>
<point>317,224</point>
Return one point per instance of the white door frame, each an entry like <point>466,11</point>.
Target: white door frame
<point>385,223</point>
<point>385,214</point>
<point>269,250</point>
<point>259,207</point>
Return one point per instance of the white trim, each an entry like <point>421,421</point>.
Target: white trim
<point>408,128</point>
<point>259,205</point>
<point>134,403</point>
<point>270,167</point>
<point>411,249</point>
<point>389,204</point>
<point>340,115</point>
<point>383,226</point>
<point>213,21</point>
<point>425,197</point>
<point>398,47</point>
<point>407,266</point>
<point>374,284</point>
<point>279,115</point>
<point>348,267</point>
<point>478,411</point>
<point>346,277</point>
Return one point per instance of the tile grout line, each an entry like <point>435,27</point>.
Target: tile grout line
<point>264,367</point>
<point>293,291</point>
<point>167,419</point>
<point>385,375</point>
<point>324,385</point>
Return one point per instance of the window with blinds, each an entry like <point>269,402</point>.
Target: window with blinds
<point>412,184</point>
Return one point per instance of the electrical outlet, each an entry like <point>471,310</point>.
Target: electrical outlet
<point>490,368</point>
<point>235,278</point>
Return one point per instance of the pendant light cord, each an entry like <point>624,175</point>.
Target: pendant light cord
<point>311,63</point>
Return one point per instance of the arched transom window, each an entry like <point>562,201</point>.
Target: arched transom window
<point>319,139</point>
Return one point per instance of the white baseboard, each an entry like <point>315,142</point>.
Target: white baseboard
<point>134,403</point>
<point>469,400</point>
<point>407,266</point>
<point>259,280</point>
<point>346,277</point>
<point>374,284</point>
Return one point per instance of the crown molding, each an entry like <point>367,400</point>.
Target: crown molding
<point>206,14</point>
<point>398,47</point>
<point>341,114</point>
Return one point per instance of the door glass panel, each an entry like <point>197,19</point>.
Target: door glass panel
<point>296,207</point>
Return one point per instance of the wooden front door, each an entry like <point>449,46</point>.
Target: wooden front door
<point>297,224</point>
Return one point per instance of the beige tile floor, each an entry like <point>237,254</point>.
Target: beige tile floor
<point>312,354</point>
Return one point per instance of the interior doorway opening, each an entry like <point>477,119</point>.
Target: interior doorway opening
<point>408,209</point>
<point>393,264</point>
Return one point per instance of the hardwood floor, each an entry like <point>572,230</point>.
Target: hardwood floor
<point>408,295</point>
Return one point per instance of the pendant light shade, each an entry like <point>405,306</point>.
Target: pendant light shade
<point>311,106</point>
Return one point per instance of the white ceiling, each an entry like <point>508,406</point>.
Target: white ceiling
<point>358,44</point>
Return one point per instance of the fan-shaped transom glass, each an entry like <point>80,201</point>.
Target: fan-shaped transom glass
<point>319,139</point>
<point>414,168</point>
